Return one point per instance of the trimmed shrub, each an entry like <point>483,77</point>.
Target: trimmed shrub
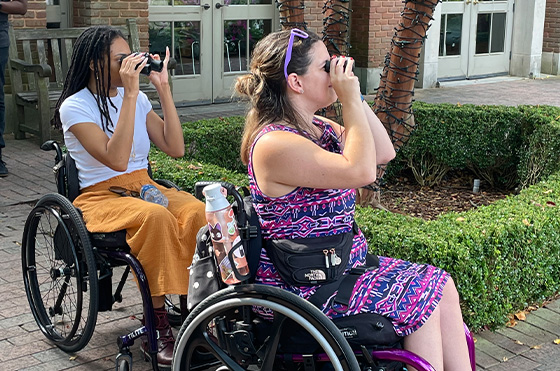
<point>541,154</point>
<point>186,173</point>
<point>215,141</point>
<point>506,146</point>
<point>502,257</point>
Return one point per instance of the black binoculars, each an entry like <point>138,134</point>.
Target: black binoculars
<point>152,65</point>
<point>328,65</point>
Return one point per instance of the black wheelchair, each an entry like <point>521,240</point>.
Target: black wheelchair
<point>249,326</point>
<point>67,271</point>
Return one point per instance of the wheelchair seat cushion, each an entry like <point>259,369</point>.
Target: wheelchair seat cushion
<point>109,239</point>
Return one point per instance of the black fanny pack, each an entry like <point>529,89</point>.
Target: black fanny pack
<point>311,261</point>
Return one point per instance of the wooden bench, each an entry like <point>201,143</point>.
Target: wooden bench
<point>38,64</point>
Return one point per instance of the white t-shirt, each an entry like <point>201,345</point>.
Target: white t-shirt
<point>82,107</point>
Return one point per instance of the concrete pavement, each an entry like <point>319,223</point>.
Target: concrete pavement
<point>527,346</point>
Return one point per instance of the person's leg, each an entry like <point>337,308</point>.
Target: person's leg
<point>3,62</point>
<point>441,340</point>
<point>455,350</point>
<point>427,341</point>
<point>190,215</point>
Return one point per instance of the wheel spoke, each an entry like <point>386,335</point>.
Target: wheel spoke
<point>56,264</point>
<point>207,342</point>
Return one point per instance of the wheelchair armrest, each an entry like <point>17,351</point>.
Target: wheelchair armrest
<point>167,183</point>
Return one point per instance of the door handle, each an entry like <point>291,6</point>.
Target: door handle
<point>218,5</point>
<point>206,6</point>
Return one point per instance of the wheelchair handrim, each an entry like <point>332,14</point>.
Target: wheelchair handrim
<point>255,301</point>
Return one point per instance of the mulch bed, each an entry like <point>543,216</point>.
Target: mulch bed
<point>455,193</point>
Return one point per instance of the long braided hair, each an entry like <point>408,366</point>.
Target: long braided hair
<point>93,45</point>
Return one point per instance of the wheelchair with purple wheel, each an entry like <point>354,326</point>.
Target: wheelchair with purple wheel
<point>249,326</point>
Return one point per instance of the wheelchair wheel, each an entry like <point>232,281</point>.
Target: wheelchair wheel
<point>226,327</point>
<point>59,272</point>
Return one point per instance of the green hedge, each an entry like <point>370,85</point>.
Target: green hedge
<point>185,173</point>
<point>502,257</point>
<point>215,141</point>
<point>506,146</point>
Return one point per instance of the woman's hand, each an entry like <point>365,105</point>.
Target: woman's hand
<point>130,72</point>
<point>160,78</point>
<point>344,82</point>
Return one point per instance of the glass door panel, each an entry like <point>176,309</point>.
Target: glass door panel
<point>211,40</point>
<point>187,48</point>
<point>450,34</point>
<point>235,45</point>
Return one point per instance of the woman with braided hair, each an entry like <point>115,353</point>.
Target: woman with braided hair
<point>108,124</point>
<point>303,171</point>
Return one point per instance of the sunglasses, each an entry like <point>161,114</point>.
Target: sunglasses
<point>294,32</point>
<point>124,192</point>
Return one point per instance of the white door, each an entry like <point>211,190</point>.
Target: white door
<point>475,38</point>
<point>211,41</point>
<point>58,13</point>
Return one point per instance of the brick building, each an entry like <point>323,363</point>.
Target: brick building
<point>212,39</point>
<point>551,38</point>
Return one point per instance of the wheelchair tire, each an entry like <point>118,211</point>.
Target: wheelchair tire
<point>59,272</point>
<point>201,330</point>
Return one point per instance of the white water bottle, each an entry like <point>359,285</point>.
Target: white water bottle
<point>224,233</point>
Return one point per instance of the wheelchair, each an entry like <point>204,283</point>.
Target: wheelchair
<point>67,270</point>
<point>250,326</point>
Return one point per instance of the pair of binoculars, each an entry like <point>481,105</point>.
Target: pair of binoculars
<point>328,65</point>
<point>152,65</point>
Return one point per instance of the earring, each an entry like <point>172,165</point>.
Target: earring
<point>301,91</point>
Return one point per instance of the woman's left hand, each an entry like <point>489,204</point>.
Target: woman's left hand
<point>160,78</point>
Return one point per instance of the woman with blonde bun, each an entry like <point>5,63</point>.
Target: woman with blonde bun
<point>303,171</point>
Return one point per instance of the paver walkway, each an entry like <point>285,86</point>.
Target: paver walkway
<point>527,346</point>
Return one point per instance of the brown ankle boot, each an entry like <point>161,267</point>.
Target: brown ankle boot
<point>165,340</point>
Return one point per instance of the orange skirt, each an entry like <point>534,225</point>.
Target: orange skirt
<point>162,239</point>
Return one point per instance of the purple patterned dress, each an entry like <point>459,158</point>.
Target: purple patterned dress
<point>405,292</point>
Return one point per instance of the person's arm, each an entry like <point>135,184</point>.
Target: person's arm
<point>384,150</point>
<point>166,134</point>
<point>114,152</point>
<point>14,7</point>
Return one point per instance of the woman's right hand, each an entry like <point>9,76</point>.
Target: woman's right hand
<point>344,82</point>
<point>130,72</point>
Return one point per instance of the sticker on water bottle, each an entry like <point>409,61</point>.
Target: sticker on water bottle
<point>215,231</point>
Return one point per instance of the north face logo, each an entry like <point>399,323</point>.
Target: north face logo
<point>316,275</point>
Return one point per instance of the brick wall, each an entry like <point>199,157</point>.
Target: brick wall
<point>36,16</point>
<point>372,24</point>
<point>372,28</point>
<point>551,39</point>
<point>112,13</point>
